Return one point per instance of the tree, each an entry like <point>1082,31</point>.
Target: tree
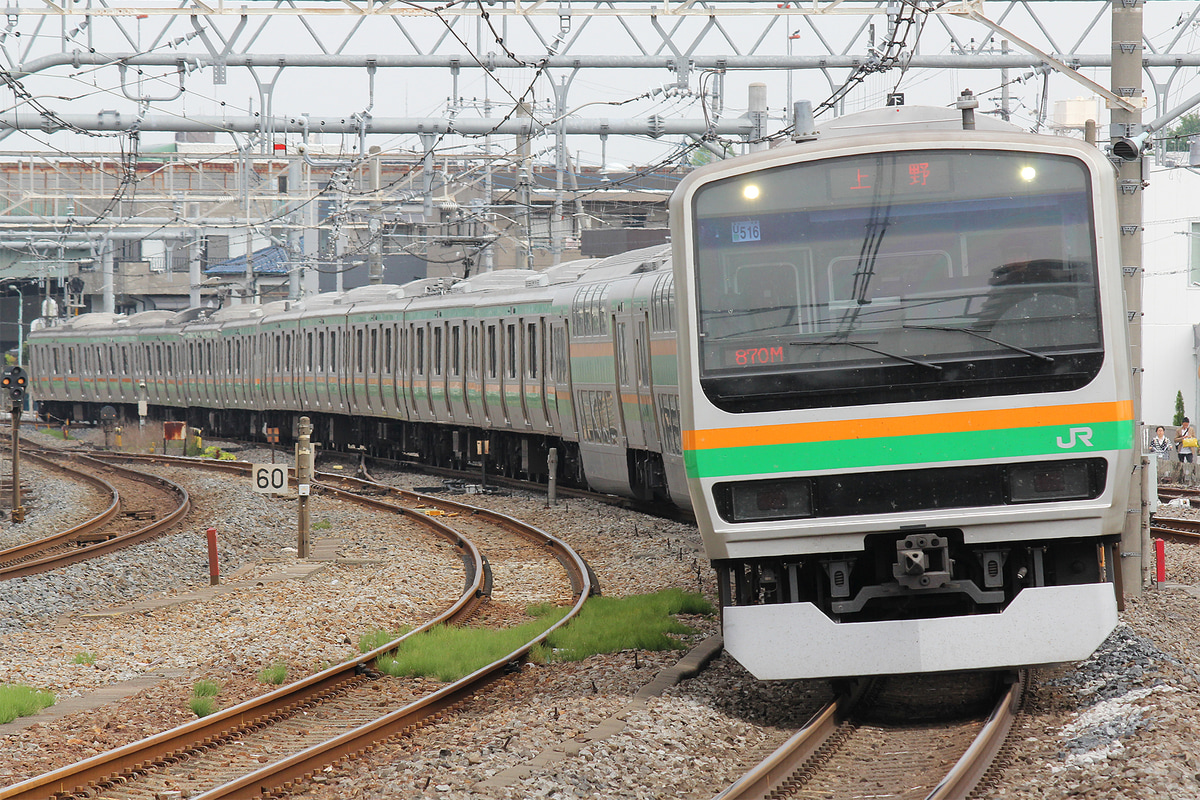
<point>1189,125</point>
<point>1178,409</point>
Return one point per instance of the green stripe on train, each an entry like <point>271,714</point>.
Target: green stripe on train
<point>1052,440</point>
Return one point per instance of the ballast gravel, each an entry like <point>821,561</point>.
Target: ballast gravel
<point>1125,723</point>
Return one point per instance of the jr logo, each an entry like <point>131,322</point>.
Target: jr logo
<point>1084,435</point>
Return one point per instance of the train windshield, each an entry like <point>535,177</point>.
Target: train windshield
<point>897,277</point>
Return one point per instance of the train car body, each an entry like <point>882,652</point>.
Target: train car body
<point>907,415</point>
<point>503,367</point>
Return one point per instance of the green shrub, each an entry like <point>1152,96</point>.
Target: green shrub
<point>640,622</point>
<point>604,625</point>
<point>21,701</point>
<point>206,688</point>
<point>202,706</point>
<point>84,658</point>
<point>274,674</point>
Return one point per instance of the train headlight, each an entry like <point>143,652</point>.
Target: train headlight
<point>757,501</point>
<point>1050,480</point>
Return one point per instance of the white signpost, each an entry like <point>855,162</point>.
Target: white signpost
<point>269,478</point>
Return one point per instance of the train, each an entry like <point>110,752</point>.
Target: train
<point>887,368</point>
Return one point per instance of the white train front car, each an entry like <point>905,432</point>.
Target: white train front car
<point>906,395</point>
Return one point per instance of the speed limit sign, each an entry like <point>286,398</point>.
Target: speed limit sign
<point>269,478</point>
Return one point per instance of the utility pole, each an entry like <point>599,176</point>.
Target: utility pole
<point>1126,77</point>
<point>375,221</point>
<point>304,476</point>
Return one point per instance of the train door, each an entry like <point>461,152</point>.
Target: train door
<point>493,402</point>
<point>510,375</point>
<point>460,410</point>
<point>374,371</point>
<point>539,364</point>
<point>523,369</point>
<point>421,378</point>
<point>392,402</point>
<point>645,383</point>
<point>356,371</point>
<point>338,356</point>
<point>625,413</point>
<point>439,398</point>
<point>406,377</point>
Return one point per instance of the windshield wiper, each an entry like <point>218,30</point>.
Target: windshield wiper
<point>978,335</point>
<point>863,346</point>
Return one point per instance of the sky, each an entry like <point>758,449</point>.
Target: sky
<point>602,93</point>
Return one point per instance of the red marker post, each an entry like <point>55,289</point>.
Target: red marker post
<point>1160,558</point>
<point>214,568</point>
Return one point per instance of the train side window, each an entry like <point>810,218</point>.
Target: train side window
<point>437,350</point>
<point>387,350</point>
<point>643,353</point>
<point>309,337</point>
<point>473,358</point>
<point>668,405</point>
<point>491,351</point>
<point>374,350</point>
<point>622,356</point>
<point>358,350</point>
<point>531,345</point>
<point>662,304</point>
<point>512,351</point>
<point>171,360</point>
<point>456,350</point>
<point>419,356</point>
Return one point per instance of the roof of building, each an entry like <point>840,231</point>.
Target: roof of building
<point>267,261</point>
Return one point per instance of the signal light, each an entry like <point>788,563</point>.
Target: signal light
<point>14,383</point>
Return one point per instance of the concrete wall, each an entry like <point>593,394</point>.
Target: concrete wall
<point>1172,306</point>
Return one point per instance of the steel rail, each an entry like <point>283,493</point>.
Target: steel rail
<point>167,746</point>
<point>109,768</point>
<point>970,770</point>
<point>1186,531</point>
<point>27,549</point>
<point>773,772</point>
<point>158,527</point>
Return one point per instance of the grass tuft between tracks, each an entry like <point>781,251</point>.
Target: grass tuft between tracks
<point>605,625</point>
<point>274,674</point>
<point>204,697</point>
<point>17,700</point>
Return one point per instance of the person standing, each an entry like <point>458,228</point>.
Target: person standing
<point>1185,441</point>
<point>1160,444</point>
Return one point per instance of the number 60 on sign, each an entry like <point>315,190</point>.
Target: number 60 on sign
<point>269,478</point>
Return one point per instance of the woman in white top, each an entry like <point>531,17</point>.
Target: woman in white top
<point>1160,444</point>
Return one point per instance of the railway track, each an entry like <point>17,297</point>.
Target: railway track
<point>1176,529</point>
<point>272,741</point>
<point>900,737</point>
<point>140,507</point>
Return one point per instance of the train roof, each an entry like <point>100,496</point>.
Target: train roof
<point>893,119</point>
